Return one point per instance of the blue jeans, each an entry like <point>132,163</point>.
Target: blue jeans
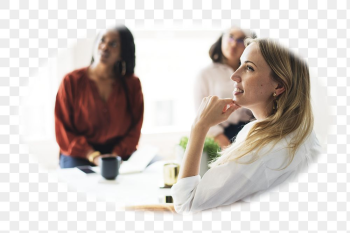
<point>70,162</point>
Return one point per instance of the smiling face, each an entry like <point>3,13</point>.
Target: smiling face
<point>108,49</point>
<point>254,85</point>
<point>232,45</point>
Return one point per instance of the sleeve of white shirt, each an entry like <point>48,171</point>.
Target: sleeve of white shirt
<point>221,185</point>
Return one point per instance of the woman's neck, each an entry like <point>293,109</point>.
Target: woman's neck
<point>101,72</point>
<point>261,113</point>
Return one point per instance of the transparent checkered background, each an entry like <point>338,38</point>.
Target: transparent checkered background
<point>32,31</point>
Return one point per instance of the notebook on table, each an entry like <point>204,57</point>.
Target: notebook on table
<point>138,160</point>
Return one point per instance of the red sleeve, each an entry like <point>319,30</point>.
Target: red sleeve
<point>128,144</point>
<point>69,143</point>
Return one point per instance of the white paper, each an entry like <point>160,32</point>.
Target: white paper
<point>138,160</point>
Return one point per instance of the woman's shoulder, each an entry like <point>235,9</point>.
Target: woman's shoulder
<point>213,67</point>
<point>312,147</point>
<point>310,143</point>
<point>306,153</point>
<point>132,79</point>
<point>133,82</point>
<point>76,75</point>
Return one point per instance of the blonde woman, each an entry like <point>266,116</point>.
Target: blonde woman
<point>275,85</point>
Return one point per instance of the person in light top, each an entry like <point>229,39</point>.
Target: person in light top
<point>275,85</point>
<point>214,79</point>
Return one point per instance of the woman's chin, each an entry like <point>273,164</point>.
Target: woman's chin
<point>103,60</point>
<point>238,102</point>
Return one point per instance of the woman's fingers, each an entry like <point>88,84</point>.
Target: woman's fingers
<point>228,103</point>
<point>108,155</point>
<point>214,110</point>
<point>215,102</point>
<point>230,107</point>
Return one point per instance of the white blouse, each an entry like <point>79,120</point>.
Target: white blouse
<point>215,79</point>
<point>231,182</point>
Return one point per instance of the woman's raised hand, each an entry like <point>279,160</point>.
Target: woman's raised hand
<point>214,110</point>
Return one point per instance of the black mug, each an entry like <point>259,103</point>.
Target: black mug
<point>110,167</point>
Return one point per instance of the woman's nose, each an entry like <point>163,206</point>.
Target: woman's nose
<point>236,77</point>
<point>104,46</point>
<point>233,43</point>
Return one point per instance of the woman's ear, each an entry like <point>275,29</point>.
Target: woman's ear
<point>279,89</point>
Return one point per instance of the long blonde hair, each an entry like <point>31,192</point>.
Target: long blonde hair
<point>293,112</point>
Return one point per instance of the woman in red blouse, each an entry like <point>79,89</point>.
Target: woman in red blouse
<point>99,109</point>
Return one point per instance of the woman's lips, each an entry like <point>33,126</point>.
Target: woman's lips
<point>237,91</point>
<point>104,55</point>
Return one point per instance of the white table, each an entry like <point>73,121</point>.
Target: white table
<point>126,190</point>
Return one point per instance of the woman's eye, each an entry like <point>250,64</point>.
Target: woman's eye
<point>249,68</point>
<point>114,44</point>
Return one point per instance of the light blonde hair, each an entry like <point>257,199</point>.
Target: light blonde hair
<point>293,113</point>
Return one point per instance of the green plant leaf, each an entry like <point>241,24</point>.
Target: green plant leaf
<point>210,147</point>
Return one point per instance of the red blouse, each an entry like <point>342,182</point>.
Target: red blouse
<point>83,119</point>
